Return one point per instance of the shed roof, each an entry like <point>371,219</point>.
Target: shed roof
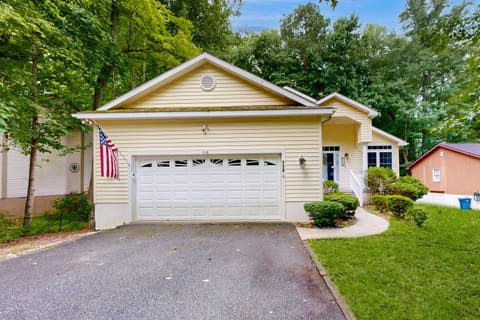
<point>469,149</point>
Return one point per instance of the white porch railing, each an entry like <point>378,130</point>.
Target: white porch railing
<point>357,185</point>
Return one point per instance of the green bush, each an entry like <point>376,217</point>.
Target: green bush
<point>378,179</point>
<point>330,187</point>
<point>418,215</point>
<point>73,207</point>
<point>324,213</point>
<point>381,202</point>
<point>399,205</point>
<point>349,202</point>
<point>10,229</point>
<point>420,188</point>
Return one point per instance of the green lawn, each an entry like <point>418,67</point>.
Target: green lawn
<point>410,272</point>
<point>11,229</point>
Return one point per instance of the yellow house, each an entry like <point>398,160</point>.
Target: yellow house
<point>207,141</point>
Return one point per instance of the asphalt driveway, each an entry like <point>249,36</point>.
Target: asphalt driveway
<point>170,271</point>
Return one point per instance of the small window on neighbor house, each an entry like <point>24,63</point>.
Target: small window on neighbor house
<point>436,175</point>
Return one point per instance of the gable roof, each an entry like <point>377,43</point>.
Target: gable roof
<point>194,63</point>
<point>469,149</point>
<point>398,141</point>
<point>369,111</point>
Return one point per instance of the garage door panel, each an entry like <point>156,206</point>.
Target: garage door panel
<point>203,188</point>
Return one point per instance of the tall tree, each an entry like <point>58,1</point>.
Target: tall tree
<point>144,39</point>
<point>41,76</point>
<point>212,31</point>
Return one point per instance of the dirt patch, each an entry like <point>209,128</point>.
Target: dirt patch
<point>30,244</point>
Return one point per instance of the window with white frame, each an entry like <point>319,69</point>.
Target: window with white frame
<point>380,156</point>
<point>436,175</point>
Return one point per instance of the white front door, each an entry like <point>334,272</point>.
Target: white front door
<point>227,187</point>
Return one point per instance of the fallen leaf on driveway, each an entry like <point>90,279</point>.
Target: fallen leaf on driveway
<point>174,249</point>
<point>206,280</point>
<point>168,278</point>
<point>243,265</point>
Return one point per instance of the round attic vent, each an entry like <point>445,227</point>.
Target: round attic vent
<point>207,83</point>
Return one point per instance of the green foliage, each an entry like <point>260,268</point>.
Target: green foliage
<point>9,228</point>
<point>410,187</point>
<point>380,202</point>
<point>399,205</point>
<point>378,179</point>
<point>324,213</point>
<point>329,187</point>
<point>12,229</point>
<point>73,207</point>
<point>418,215</point>
<point>349,202</point>
<point>407,264</point>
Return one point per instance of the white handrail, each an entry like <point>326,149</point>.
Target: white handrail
<point>357,187</point>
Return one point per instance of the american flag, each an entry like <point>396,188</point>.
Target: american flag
<point>108,156</point>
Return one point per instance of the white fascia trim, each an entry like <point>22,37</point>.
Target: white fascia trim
<point>371,113</point>
<point>190,64</point>
<point>400,142</point>
<point>203,114</point>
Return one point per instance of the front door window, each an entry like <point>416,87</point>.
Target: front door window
<point>331,163</point>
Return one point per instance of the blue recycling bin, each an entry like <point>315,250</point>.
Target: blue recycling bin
<point>465,203</point>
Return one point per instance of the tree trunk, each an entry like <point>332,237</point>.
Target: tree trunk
<point>27,217</point>
<point>27,214</point>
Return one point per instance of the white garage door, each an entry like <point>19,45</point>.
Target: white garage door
<point>209,188</point>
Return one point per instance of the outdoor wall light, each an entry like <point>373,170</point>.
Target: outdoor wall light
<point>346,155</point>
<point>302,162</point>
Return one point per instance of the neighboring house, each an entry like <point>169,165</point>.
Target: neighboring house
<point>207,141</point>
<point>55,176</point>
<point>450,171</point>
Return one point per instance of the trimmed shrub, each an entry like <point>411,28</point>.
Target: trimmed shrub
<point>73,207</point>
<point>381,202</point>
<point>378,179</point>
<point>410,187</point>
<point>349,202</point>
<point>399,205</point>
<point>324,213</point>
<point>330,187</point>
<point>418,215</point>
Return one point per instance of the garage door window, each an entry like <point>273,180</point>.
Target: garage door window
<point>252,162</point>
<point>181,163</point>
<point>163,163</point>
<point>234,162</point>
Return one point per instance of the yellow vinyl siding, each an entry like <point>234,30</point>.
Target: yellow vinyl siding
<point>296,137</point>
<point>383,141</point>
<point>343,110</point>
<point>229,91</point>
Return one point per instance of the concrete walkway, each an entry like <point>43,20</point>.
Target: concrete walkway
<point>367,224</point>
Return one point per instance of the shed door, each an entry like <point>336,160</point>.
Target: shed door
<point>235,187</point>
